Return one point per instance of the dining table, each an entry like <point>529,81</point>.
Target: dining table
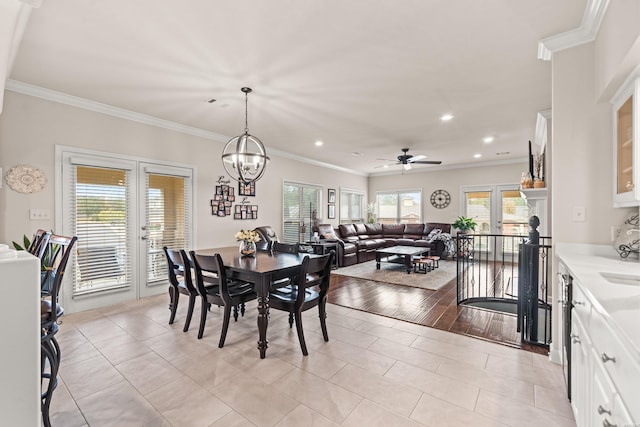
<point>261,269</point>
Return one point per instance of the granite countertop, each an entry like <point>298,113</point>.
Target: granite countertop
<point>618,303</point>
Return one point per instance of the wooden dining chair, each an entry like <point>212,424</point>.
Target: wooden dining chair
<point>180,282</point>
<point>288,248</point>
<point>39,243</point>
<point>228,293</point>
<point>308,289</point>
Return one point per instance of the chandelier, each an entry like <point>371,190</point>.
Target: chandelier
<point>244,157</point>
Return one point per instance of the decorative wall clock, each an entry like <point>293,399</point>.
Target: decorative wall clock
<point>25,179</point>
<point>440,199</point>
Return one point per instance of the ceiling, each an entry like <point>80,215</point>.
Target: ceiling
<point>363,76</point>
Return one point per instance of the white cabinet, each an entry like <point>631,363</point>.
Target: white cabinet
<point>626,184</point>
<point>605,377</point>
<point>20,355</point>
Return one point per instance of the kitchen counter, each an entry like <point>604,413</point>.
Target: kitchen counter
<point>617,303</point>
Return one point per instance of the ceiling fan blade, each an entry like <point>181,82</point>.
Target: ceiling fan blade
<point>428,162</point>
<point>414,159</point>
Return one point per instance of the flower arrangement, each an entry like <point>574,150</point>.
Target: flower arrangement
<point>247,236</point>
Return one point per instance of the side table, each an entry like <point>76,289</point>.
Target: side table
<point>323,248</point>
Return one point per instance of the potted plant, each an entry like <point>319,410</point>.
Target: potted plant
<point>464,224</point>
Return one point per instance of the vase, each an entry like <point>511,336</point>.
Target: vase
<point>247,248</point>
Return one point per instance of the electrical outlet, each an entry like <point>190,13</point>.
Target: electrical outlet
<point>615,232</point>
<point>579,213</point>
<point>39,214</point>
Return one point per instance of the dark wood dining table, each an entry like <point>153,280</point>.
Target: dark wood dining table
<point>261,270</point>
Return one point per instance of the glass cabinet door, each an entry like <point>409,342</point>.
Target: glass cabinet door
<point>626,187</point>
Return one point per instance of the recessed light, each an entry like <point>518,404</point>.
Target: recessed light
<point>477,156</point>
<point>446,117</point>
<point>385,166</point>
<point>319,143</point>
<point>487,139</point>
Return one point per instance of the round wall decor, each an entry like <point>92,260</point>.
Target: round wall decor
<point>25,179</point>
<point>440,199</point>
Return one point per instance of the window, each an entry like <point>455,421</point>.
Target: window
<point>351,206</point>
<point>399,206</point>
<point>101,219</point>
<point>301,206</point>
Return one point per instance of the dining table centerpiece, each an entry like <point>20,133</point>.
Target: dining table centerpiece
<point>247,239</point>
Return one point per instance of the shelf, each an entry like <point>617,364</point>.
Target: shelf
<point>533,193</point>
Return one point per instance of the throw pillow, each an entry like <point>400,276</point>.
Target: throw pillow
<point>432,235</point>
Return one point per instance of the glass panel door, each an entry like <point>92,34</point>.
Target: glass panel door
<point>165,221</point>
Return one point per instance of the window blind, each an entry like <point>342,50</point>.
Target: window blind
<point>100,220</point>
<point>300,203</point>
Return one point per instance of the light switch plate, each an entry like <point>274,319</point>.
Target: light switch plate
<point>39,214</point>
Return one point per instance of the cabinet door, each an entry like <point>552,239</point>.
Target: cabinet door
<point>580,346</point>
<point>625,144</point>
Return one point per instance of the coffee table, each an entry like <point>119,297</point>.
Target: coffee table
<point>400,255</point>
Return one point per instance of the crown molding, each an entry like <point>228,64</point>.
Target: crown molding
<point>109,110</point>
<point>585,33</point>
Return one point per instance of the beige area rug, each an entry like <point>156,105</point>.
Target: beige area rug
<point>397,274</point>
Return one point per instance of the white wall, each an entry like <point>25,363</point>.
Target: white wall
<point>582,147</point>
<point>30,128</point>
<point>447,179</point>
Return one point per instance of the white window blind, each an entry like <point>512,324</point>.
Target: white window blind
<point>301,202</point>
<point>167,214</point>
<point>351,206</point>
<point>100,220</point>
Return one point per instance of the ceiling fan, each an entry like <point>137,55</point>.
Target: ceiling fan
<point>406,160</point>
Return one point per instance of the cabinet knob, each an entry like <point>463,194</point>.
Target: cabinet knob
<point>606,358</point>
<point>574,302</point>
<point>575,338</point>
<point>601,410</point>
<point>606,423</point>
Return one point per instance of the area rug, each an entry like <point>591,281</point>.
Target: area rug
<point>397,274</point>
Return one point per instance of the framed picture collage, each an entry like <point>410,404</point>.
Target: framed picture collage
<point>224,200</point>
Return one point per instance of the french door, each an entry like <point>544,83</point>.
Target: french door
<point>123,212</point>
<point>498,210</point>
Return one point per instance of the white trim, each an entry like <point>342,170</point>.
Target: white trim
<point>585,33</point>
<point>540,138</point>
<point>109,110</point>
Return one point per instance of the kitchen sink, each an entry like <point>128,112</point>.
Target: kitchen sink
<point>622,279</point>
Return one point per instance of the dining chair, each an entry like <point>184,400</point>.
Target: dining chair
<point>228,293</point>
<point>308,289</point>
<point>289,248</point>
<point>180,282</point>
<point>56,255</point>
<point>39,243</point>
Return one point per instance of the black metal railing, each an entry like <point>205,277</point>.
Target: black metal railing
<point>510,274</point>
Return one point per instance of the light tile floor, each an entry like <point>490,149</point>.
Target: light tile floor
<point>126,366</point>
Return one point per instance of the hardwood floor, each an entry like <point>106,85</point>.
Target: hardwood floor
<point>436,309</point>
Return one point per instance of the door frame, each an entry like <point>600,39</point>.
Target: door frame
<point>108,297</point>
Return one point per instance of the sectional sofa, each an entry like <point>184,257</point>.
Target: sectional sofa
<point>358,242</point>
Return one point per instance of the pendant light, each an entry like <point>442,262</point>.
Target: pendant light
<point>244,157</point>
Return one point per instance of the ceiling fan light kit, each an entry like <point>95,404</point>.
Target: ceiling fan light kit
<point>244,157</point>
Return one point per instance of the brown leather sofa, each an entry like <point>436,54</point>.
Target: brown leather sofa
<point>267,237</point>
<point>347,251</point>
<point>369,237</point>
